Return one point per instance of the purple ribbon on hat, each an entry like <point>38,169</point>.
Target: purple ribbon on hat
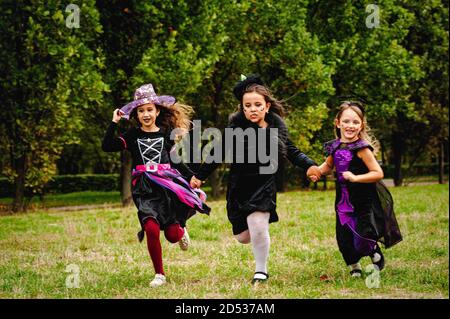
<point>146,94</point>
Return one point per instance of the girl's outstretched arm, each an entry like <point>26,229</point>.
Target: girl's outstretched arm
<point>296,157</point>
<point>183,169</point>
<point>210,164</point>
<point>300,159</point>
<point>375,172</point>
<point>205,170</point>
<point>327,167</point>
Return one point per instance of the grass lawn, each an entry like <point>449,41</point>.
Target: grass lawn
<point>77,198</point>
<point>40,249</point>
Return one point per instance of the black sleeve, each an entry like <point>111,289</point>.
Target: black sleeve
<point>296,157</point>
<point>183,169</point>
<point>111,143</point>
<point>206,169</point>
<point>209,166</point>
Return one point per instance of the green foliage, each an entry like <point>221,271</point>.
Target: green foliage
<point>59,85</point>
<point>304,124</point>
<point>393,66</point>
<point>47,84</point>
<point>179,61</point>
<point>428,39</point>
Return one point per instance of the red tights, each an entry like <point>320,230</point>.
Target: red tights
<point>173,234</point>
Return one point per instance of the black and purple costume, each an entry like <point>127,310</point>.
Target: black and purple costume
<point>160,187</point>
<point>364,211</point>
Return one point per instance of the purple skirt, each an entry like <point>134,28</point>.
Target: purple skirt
<point>160,192</point>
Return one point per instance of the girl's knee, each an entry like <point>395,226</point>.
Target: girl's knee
<point>258,220</point>
<point>173,233</point>
<point>244,237</point>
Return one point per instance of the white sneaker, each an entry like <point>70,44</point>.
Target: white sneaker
<point>159,280</point>
<point>185,240</point>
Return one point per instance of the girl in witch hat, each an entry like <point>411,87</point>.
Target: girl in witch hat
<point>160,190</point>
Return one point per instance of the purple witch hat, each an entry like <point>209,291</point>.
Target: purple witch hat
<point>146,94</point>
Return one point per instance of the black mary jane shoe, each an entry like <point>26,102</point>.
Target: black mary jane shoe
<point>356,273</point>
<point>259,276</point>
<point>379,263</point>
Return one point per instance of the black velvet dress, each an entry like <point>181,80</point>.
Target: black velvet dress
<point>251,184</point>
<point>364,211</point>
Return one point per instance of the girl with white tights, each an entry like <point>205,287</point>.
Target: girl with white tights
<point>251,190</point>
<point>258,234</point>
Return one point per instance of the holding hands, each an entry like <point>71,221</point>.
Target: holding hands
<point>313,173</point>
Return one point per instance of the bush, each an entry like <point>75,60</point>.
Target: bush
<point>61,184</point>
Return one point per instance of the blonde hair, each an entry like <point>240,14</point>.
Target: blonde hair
<point>365,133</point>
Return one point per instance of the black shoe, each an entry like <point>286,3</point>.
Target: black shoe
<point>379,263</point>
<point>356,273</point>
<point>140,235</point>
<point>260,276</point>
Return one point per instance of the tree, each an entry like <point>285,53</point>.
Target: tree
<point>216,41</point>
<point>373,62</point>
<point>180,63</point>
<point>129,27</point>
<point>428,39</point>
<point>49,81</point>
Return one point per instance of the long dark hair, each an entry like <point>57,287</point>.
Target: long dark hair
<point>276,106</point>
<point>276,113</point>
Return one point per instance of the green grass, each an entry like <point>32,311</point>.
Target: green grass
<point>71,199</point>
<point>36,249</point>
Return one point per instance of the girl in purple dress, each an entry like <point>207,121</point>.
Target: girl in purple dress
<point>364,206</point>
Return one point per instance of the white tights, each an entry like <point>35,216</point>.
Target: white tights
<point>258,234</point>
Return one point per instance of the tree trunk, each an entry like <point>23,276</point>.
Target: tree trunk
<point>397,148</point>
<point>214,180</point>
<point>19,183</point>
<point>125,178</point>
<point>441,163</point>
<point>383,154</point>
